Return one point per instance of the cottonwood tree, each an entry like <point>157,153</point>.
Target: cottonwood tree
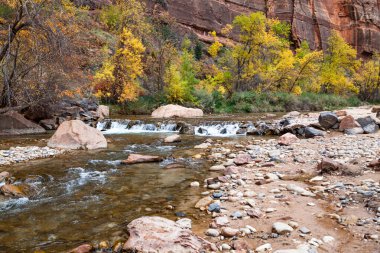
<point>35,49</point>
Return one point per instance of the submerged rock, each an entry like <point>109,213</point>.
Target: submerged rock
<point>173,138</point>
<point>75,134</point>
<point>136,158</point>
<point>169,111</point>
<point>85,248</point>
<point>156,234</point>
<point>12,190</point>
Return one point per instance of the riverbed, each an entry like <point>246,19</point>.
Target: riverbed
<point>87,196</point>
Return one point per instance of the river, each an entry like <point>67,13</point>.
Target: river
<point>88,196</point>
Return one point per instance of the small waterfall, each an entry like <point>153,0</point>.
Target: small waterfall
<point>218,129</point>
<point>128,126</point>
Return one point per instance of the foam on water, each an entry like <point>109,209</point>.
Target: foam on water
<point>13,204</point>
<point>223,129</point>
<point>85,177</point>
<point>123,128</point>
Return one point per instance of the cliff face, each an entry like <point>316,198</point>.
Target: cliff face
<point>358,21</point>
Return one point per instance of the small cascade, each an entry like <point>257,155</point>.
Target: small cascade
<point>128,126</point>
<point>218,129</point>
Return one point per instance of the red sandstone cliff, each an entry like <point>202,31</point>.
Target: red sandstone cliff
<point>357,20</point>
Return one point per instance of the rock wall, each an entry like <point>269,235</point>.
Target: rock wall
<point>358,21</point>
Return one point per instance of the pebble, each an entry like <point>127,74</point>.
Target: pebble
<point>237,215</point>
<point>184,223</point>
<point>264,248</point>
<point>304,230</point>
<point>22,154</point>
<point>328,239</point>
<point>225,246</point>
<point>293,224</point>
<point>281,228</point>
<point>212,232</point>
<point>194,184</point>
<point>217,195</point>
<point>221,220</point>
<point>217,168</point>
<point>229,232</point>
<point>214,207</point>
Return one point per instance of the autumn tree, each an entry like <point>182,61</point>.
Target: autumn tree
<point>262,51</point>
<point>367,79</point>
<point>307,66</point>
<point>181,76</point>
<point>119,75</point>
<point>37,50</point>
<point>339,66</point>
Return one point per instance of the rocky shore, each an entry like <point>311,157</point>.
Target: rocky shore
<point>23,154</point>
<point>314,195</point>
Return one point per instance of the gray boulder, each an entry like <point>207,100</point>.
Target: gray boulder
<point>311,132</point>
<point>328,119</point>
<point>368,124</point>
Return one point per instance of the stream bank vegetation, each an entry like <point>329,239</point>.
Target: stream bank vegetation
<point>121,55</point>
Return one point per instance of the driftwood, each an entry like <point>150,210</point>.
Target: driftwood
<point>15,108</point>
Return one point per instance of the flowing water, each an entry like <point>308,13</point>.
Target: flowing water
<point>87,196</point>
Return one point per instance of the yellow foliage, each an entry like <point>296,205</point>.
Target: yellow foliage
<point>339,66</point>
<point>215,47</point>
<point>118,76</point>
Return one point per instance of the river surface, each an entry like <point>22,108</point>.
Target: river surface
<point>88,196</point>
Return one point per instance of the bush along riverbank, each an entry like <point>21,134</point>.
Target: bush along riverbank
<point>245,102</point>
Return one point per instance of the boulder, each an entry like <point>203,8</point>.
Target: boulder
<point>327,119</point>
<point>330,166</point>
<point>103,112</point>
<point>48,124</point>
<point>348,122</point>
<point>136,158</point>
<point>13,123</point>
<point>354,131</point>
<point>368,124</point>
<point>75,134</point>
<point>287,139</point>
<point>311,132</point>
<point>185,128</point>
<point>169,111</point>
<point>173,138</point>
<point>252,130</point>
<point>376,109</point>
<point>156,234</point>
